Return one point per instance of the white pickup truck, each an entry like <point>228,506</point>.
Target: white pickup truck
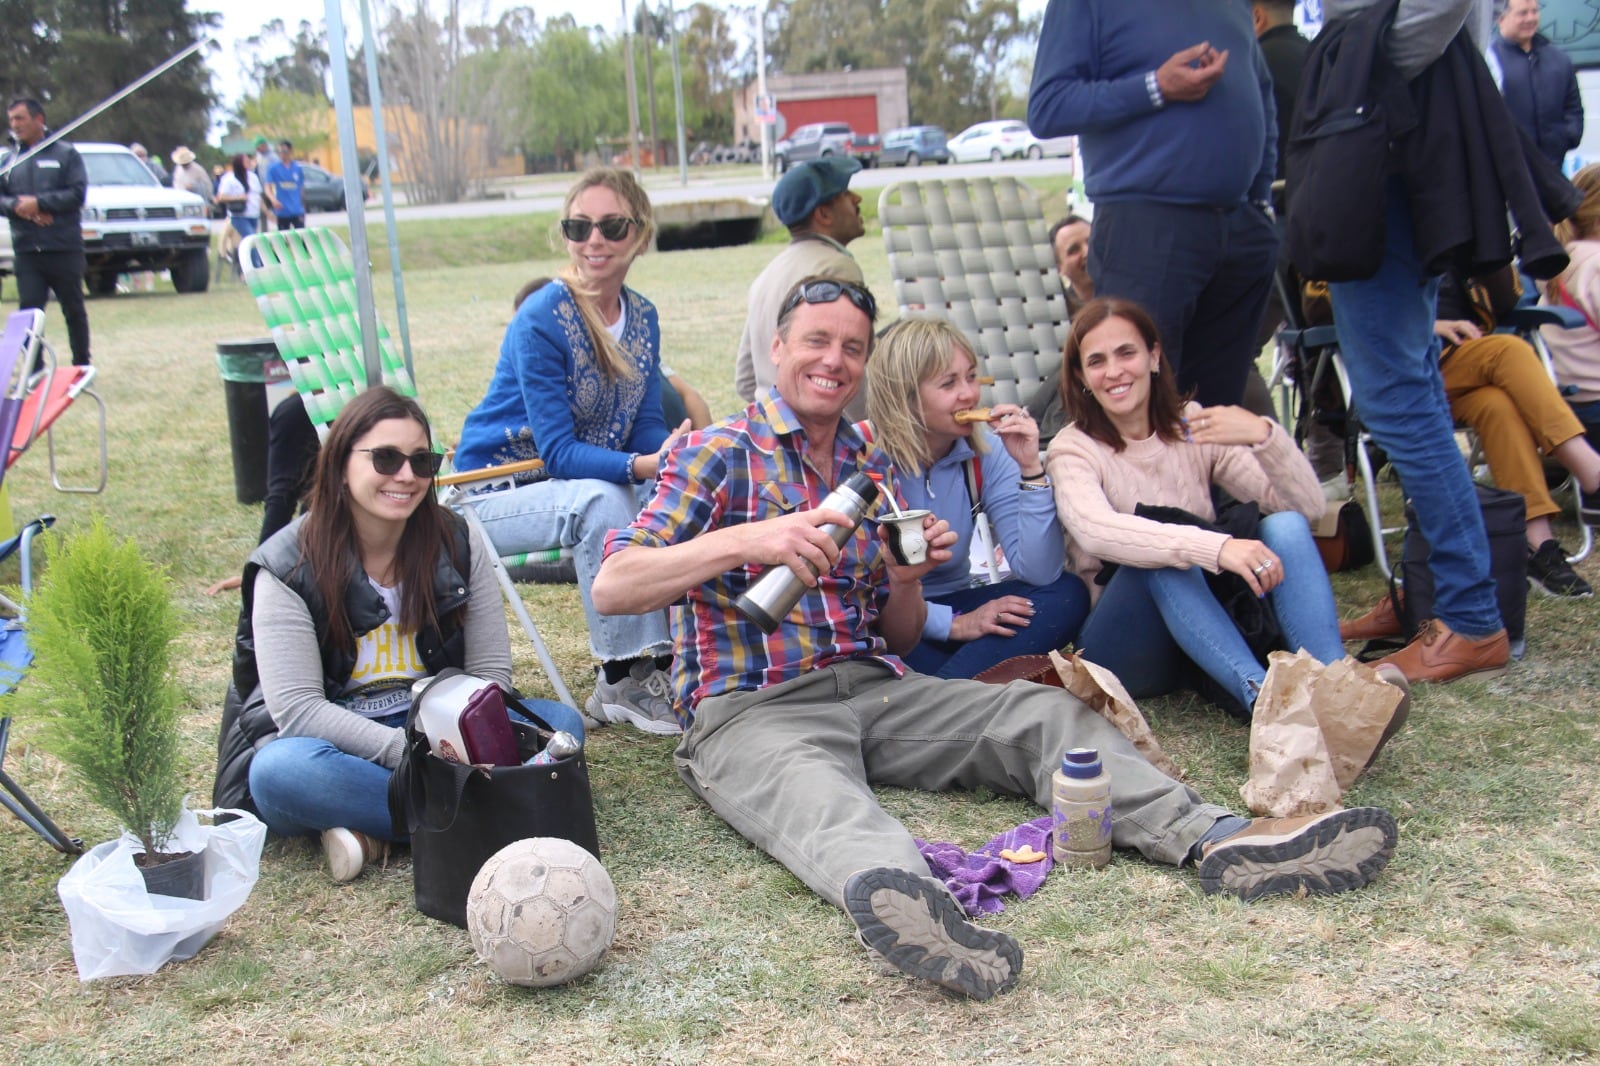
<point>132,222</point>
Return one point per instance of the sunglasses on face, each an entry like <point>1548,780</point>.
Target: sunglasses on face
<point>826,292</point>
<point>577,230</point>
<point>387,461</point>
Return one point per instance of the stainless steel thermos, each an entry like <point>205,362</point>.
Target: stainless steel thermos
<point>777,591</point>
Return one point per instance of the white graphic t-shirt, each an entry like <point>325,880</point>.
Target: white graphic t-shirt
<point>386,664</point>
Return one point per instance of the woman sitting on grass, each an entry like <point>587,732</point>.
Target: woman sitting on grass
<point>374,588</point>
<point>1133,441</point>
<point>921,378</point>
<point>578,386</point>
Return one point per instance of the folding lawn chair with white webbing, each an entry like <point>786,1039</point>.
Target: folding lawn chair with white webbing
<point>976,251</point>
<point>37,393</point>
<point>304,282</point>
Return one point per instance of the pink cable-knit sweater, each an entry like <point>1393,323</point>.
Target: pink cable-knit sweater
<point>1097,490</point>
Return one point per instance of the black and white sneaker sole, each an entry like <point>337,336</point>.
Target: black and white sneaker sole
<point>914,925</point>
<point>1582,593</point>
<point>1342,851</point>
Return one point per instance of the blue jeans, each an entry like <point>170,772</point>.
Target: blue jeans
<point>1059,609</point>
<point>1385,326</point>
<point>577,514</point>
<point>304,785</point>
<point>1149,621</point>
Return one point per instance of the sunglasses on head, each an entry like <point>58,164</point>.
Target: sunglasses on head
<point>387,461</point>
<point>577,230</point>
<point>826,292</point>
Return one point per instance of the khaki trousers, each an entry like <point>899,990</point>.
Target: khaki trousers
<point>1497,385</point>
<point>791,767</point>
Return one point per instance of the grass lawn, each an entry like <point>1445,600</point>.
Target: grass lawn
<point>1480,943</point>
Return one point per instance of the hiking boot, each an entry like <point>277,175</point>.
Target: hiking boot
<point>912,922</point>
<point>1391,674</point>
<point>1315,855</point>
<point>349,852</point>
<point>644,697</point>
<point>1550,573</point>
<point>1380,622</point>
<point>1440,654</point>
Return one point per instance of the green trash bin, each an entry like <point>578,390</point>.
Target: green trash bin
<point>248,366</point>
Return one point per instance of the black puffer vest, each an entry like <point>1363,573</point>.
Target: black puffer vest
<point>246,725</point>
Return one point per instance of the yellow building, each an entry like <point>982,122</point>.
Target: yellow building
<point>406,134</point>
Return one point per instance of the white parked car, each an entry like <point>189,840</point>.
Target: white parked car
<point>132,222</point>
<point>1005,138</point>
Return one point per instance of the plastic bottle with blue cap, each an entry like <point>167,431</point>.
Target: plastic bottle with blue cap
<point>1081,806</point>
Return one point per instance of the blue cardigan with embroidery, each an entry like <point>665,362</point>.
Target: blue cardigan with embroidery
<point>548,398</point>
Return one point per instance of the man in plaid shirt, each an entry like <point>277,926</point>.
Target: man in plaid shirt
<point>787,733</point>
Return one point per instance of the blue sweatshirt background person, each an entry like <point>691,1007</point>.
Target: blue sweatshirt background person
<point>1173,106</point>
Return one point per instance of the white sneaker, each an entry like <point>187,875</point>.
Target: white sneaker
<point>644,698</point>
<point>349,852</point>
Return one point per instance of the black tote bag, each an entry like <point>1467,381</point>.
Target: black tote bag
<point>458,816</point>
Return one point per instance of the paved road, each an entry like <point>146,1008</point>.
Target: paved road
<point>542,194</point>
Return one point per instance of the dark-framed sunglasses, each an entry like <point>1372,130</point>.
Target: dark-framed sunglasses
<point>387,461</point>
<point>577,230</point>
<point>826,292</point>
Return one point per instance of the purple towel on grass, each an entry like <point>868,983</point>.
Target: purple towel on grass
<point>979,879</point>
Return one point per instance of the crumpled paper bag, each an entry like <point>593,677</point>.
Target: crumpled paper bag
<point>1102,690</point>
<point>1315,729</point>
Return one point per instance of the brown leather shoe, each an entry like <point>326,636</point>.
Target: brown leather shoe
<point>1440,654</point>
<point>1381,621</point>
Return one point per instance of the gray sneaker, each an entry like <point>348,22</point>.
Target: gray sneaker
<point>1314,855</point>
<point>644,698</point>
<point>912,923</point>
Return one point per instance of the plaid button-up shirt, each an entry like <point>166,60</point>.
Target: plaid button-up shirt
<point>746,469</point>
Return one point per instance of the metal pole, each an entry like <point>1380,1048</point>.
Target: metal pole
<point>380,136</point>
<point>677,95</point>
<point>761,89</point>
<point>56,134</point>
<point>633,93</point>
<point>345,110</point>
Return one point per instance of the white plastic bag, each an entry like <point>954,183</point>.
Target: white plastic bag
<point>118,928</point>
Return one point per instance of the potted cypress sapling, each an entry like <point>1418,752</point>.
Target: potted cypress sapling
<point>102,622</point>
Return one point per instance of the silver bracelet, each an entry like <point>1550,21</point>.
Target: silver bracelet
<point>1035,486</point>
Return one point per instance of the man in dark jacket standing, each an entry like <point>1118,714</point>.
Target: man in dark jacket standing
<point>1284,49</point>
<point>43,198</point>
<point>1538,81</point>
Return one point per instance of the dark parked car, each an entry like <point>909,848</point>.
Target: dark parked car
<point>911,146</point>
<point>325,191</point>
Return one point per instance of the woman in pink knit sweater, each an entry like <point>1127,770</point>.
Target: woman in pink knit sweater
<point>1134,441</point>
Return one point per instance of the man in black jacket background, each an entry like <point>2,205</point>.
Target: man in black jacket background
<point>43,197</point>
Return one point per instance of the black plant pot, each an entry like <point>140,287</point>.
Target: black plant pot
<point>183,877</point>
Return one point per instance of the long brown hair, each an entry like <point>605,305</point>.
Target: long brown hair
<point>613,364</point>
<point>1584,223</point>
<point>1166,406</point>
<point>328,544</point>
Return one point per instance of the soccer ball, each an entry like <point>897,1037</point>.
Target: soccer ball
<point>541,912</point>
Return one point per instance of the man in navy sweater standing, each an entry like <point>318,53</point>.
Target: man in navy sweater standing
<point>1173,106</point>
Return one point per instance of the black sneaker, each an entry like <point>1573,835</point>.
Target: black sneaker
<point>1550,573</point>
<point>914,925</point>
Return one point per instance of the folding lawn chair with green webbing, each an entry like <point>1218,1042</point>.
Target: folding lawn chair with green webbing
<point>304,282</point>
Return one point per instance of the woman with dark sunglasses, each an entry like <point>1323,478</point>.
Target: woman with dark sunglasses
<point>374,588</point>
<point>577,385</point>
<point>922,391</point>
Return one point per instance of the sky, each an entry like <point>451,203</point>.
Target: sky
<point>244,18</point>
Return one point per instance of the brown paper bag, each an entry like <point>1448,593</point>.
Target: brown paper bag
<point>1314,731</point>
<point>1291,771</point>
<point>1100,689</point>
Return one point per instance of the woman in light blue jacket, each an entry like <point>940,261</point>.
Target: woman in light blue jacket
<point>920,379</point>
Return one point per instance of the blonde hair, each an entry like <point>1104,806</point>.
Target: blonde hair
<point>913,350</point>
<point>1585,221</point>
<point>610,358</point>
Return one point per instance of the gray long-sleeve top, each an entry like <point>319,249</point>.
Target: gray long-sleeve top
<point>1422,28</point>
<point>290,664</point>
